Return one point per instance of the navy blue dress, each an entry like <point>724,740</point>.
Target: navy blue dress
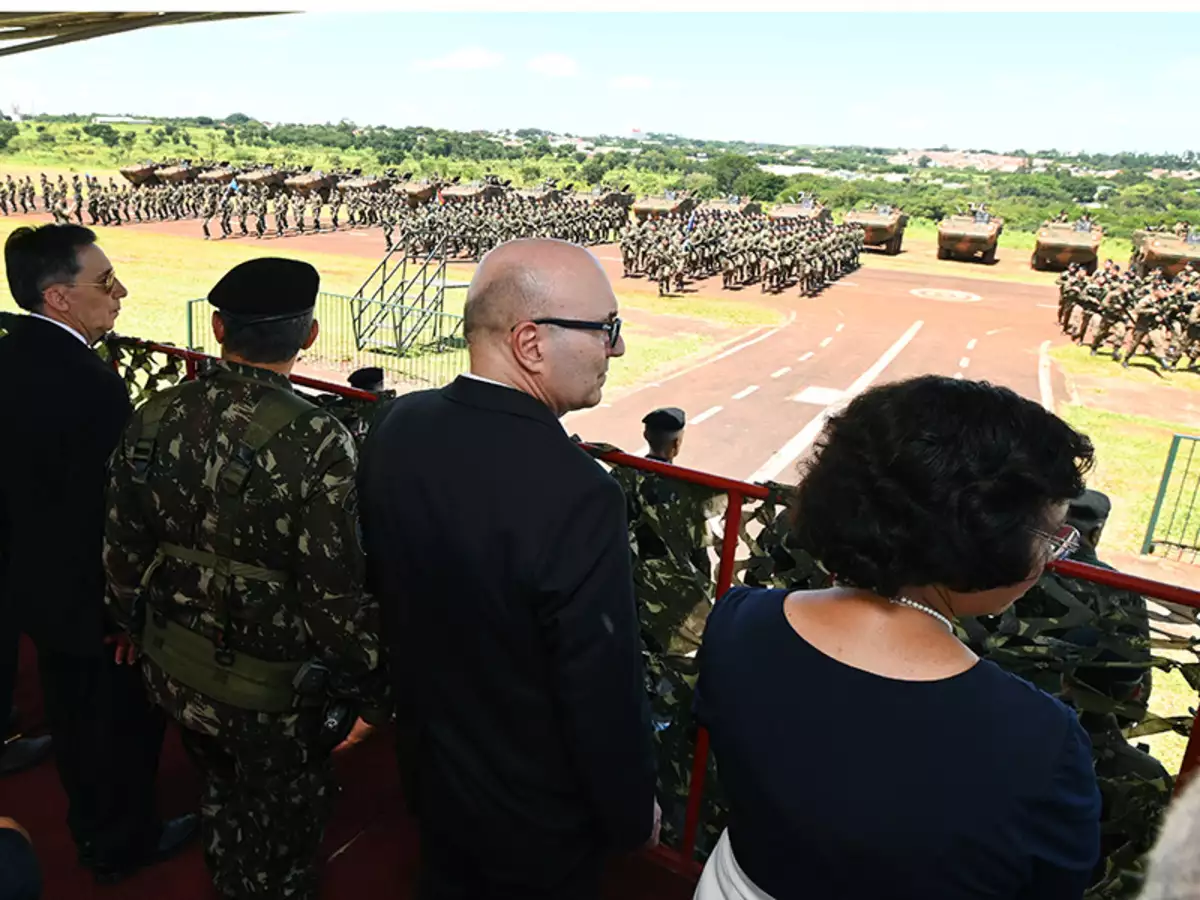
<point>845,784</point>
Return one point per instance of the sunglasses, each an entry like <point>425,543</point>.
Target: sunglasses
<point>107,284</point>
<point>1062,543</point>
<point>611,326</point>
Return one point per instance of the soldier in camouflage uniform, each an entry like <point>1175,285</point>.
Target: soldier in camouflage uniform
<point>234,558</point>
<point>673,581</point>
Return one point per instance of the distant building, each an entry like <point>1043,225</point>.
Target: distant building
<point>119,120</point>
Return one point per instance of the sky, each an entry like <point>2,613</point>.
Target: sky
<point>1074,81</point>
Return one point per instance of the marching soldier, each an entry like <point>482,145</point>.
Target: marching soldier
<point>234,559</point>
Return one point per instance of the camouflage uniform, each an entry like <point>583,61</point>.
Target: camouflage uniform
<point>295,594</point>
<point>673,583</point>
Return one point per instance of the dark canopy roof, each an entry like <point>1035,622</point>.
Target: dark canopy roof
<point>22,32</point>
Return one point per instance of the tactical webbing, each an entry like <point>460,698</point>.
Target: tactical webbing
<point>247,683</point>
<point>273,412</point>
<point>212,561</point>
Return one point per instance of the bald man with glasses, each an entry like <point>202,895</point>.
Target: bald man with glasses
<point>500,555</point>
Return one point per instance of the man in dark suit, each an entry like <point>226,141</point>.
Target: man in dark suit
<point>499,553</point>
<point>65,410</point>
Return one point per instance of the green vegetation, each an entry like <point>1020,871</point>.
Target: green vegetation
<point>1130,452</point>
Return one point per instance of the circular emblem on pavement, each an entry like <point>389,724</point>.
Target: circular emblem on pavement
<point>945,296</point>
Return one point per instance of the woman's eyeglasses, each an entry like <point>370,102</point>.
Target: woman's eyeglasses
<point>611,326</point>
<point>1062,543</point>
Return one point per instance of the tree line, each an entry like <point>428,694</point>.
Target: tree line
<point>656,163</point>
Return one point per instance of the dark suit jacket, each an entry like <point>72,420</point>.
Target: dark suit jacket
<point>64,410</point>
<point>500,555</point>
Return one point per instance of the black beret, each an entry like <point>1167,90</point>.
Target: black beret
<point>368,379</point>
<point>669,418</point>
<point>1089,509</point>
<point>267,288</point>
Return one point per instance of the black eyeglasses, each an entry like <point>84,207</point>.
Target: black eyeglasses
<point>611,326</point>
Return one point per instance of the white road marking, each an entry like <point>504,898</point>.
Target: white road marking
<point>958,374</point>
<point>963,363</point>
<point>1044,376</point>
<point>841,325</point>
<point>707,414</point>
<point>971,344</point>
<point>742,395</point>
<point>1047,306</point>
<point>827,342</point>
<point>845,284</point>
<point>806,356</point>
<point>998,330</point>
<point>750,343</point>
<point>821,396</point>
<point>779,372</point>
<point>790,452</point>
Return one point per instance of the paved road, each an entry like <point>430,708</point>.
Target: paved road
<point>754,409</point>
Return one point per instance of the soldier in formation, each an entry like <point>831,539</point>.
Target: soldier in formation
<point>743,248</point>
<point>234,560</point>
<point>1130,314</point>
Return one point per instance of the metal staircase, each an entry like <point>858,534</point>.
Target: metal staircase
<point>401,304</point>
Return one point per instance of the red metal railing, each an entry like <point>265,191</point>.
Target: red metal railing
<point>681,860</point>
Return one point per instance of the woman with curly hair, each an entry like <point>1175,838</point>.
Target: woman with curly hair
<point>866,752</point>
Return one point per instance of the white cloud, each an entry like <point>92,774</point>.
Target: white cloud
<point>554,65</point>
<point>464,58</point>
<point>631,83</point>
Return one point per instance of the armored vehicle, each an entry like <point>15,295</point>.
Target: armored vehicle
<point>883,226</point>
<point>670,202</point>
<point>1059,244</point>
<point>602,196</point>
<point>177,173</point>
<point>733,204</point>
<point>490,188</point>
<point>142,173</point>
<point>222,174</point>
<point>971,234</point>
<point>267,177</point>
<point>806,206</point>
<point>1164,250</point>
<point>310,182</point>
<point>546,192</point>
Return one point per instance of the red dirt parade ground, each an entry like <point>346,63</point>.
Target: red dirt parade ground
<point>753,406</point>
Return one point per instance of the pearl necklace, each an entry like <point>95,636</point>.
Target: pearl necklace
<point>929,610</point>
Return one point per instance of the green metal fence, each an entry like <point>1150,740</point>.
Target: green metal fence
<point>1174,529</point>
<point>434,351</point>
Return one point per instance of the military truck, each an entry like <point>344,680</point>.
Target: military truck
<point>1059,244</point>
<point>969,235</point>
<point>357,181</point>
<point>732,204</point>
<point>883,226</point>
<point>806,206</point>
<point>1164,250</point>
<point>668,202</point>
<point>140,174</point>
